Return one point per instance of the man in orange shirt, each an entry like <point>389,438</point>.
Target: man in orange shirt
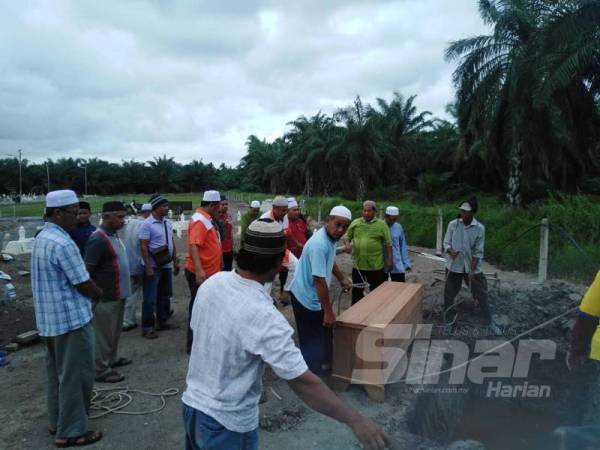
<point>204,257</point>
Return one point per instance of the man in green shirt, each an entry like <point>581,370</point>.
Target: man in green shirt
<point>369,240</point>
<point>249,217</point>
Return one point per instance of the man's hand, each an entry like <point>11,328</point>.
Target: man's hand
<point>370,435</point>
<point>453,253</point>
<point>389,264</point>
<point>348,247</point>
<point>149,271</point>
<point>329,318</point>
<point>176,269</point>
<point>200,277</point>
<point>346,284</point>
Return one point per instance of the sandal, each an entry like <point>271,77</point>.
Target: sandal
<point>110,377</point>
<point>150,334</point>
<point>130,327</point>
<point>85,439</point>
<point>122,362</point>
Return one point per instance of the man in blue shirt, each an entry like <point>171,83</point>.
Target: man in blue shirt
<point>62,290</point>
<point>310,289</point>
<point>84,228</point>
<point>156,238</point>
<point>401,260</point>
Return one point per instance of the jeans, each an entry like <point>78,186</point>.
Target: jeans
<point>191,280</point>
<point>316,341</point>
<point>373,277</point>
<point>202,432</point>
<point>157,298</point>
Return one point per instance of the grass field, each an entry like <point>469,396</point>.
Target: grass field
<point>512,238</point>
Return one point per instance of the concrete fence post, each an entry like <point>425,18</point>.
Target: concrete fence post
<point>544,238</point>
<point>319,213</point>
<point>440,233</point>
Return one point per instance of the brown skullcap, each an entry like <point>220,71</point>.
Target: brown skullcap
<point>264,238</point>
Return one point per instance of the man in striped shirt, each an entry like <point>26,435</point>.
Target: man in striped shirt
<point>106,261</point>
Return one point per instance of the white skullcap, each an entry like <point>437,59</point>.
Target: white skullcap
<point>211,196</point>
<point>292,203</point>
<point>255,204</point>
<point>465,207</point>
<point>56,199</point>
<point>146,207</point>
<point>341,211</point>
<point>280,200</point>
<point>392,211</point>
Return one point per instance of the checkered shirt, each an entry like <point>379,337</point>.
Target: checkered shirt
<point>56,267</point>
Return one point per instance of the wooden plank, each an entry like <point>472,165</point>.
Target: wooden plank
<point>390,312</point>
<point>357,313</point>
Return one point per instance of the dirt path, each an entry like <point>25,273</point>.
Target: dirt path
<point>162,363</point>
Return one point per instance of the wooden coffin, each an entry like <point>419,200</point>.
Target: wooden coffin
<point>371,337</point>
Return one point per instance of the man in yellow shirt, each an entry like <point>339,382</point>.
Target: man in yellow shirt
<point>585,332</point>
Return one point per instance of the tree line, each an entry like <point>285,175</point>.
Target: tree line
<point>525,123</point>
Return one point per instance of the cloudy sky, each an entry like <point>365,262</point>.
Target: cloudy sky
<point>120,79</point>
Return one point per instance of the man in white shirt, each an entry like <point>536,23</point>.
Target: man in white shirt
<point>463,245</point>
<point>236,331</point>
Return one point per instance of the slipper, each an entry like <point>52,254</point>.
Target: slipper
<point>166,326</point>
<point>133,326</point>
<point>121,362</point>
<point>85,439</point>
<point>111,377</point>
<point>149,334</point>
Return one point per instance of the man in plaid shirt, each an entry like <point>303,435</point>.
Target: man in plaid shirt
<point>62,290</point>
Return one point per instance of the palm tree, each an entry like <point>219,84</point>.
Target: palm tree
<point>309,141</point>
<point>360,148</point>
<point>500,79</point>
<point>164,169</point>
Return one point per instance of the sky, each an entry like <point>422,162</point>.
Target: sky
<point>122,80</point>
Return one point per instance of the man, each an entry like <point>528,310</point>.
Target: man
<point>204,250</point>
<point>369,241</point>
<point>106,261</point>
<point>310,290</point>
<point>84,229</point>
<point>585,337</point>
<point>278,213</point>
<point>299,231</point>
<point>159,257</point>
<point>236,331</point>
<point>227,239</point>
<point>136,269</point>
<point>463,247</point>
<point>250,216</point>
<point>401,260</point>
<point>62,290</point>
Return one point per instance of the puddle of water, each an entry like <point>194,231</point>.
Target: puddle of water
<point>501,425</point>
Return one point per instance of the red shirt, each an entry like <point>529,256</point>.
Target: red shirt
<point>297,229</point>
<point>227,242</point>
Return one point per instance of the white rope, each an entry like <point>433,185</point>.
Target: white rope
<point>114,400</point>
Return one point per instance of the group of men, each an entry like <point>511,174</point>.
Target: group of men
<point>86,284</point>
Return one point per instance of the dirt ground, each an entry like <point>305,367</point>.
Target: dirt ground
<point>162,364</point>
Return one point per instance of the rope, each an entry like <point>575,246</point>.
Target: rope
<point>114,400</point>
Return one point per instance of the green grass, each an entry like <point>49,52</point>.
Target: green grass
<point>505,247</point>
<point>578,214</point>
